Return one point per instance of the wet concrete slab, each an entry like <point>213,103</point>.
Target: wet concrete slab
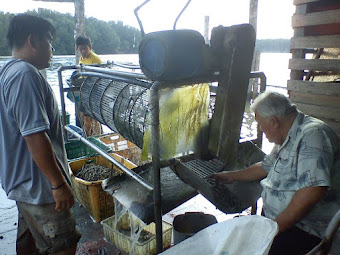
<point>8,224</point>
<point>93,241</point>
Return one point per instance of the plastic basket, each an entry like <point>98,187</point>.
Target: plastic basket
<point>122,147</point>
<point>91,195</point>
<point>125,242</point>
<point>77,149</point>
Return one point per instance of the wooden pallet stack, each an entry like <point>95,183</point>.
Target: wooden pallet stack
<point>314,85</point>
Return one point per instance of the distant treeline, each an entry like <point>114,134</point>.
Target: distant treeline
<point>273,45</point>
<point>110,37</point>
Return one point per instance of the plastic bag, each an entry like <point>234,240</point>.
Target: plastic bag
<point>240,236</point>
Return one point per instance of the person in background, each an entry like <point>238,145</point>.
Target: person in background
<point>88,57</point>
<point>33,163</point>
<point>300,177</point>
<point>84,46</point>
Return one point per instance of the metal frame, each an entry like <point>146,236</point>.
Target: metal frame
<point>107,156</point>
<point>117,75</point>
<point>141,80</point>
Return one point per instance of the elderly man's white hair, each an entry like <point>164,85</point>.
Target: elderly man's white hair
<point>270,103</point>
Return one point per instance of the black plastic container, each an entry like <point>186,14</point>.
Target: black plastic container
<point>188,224</point>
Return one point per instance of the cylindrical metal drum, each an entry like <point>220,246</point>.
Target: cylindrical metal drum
<point>173,55</point>
<point>121,106</point>
<point>85,92</point>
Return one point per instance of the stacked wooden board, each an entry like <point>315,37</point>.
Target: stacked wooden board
<point>314,85</point>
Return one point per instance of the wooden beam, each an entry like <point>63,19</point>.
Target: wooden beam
<point>319,111</point>
<point>225,125</point>
<point>316,18</point>
<point>61,1</point>
<point>253,10</point>
<point>324,88</point>
<point>298,53</point>
<point>327,41</point>
<point>315,99</point>
<point>314,64</point>
<point>296,2</point>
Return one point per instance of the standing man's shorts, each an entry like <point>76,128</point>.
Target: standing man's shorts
<point>51,230</point>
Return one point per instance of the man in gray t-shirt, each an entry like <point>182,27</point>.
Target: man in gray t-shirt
<point>300,177</point>
<point>33,163</point>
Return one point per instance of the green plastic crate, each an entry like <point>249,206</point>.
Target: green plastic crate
<point>77,149</point>
<point>67,117</point>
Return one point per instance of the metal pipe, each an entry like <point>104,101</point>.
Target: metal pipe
<point>130,173</point>
<point>96,69</point>
<point>180,14</point>
<point>127,66</point>
<point>262,77</point>
<point>191,81</point>
<point>114,72</point>
<point>139,21</point>
<point>112,77</point>
<point>61,90</point>
<point>263,84</point>
<point>154,126</point>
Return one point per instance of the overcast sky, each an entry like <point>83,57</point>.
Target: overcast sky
<point>274,17</point>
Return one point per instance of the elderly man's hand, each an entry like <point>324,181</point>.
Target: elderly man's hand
<point>225,177</point>
<point>253,173</point>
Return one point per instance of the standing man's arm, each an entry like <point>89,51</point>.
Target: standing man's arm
<point>302,202</point>
<point>41,150</point>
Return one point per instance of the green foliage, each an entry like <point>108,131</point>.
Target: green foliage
<point>107,37</point>
<point>4,20</point>
<point>130,37</point>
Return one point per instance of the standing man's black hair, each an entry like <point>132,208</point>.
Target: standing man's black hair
<point>23,25</point>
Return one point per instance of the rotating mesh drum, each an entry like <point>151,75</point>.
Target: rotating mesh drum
<point>85,95</point>
<point>96,97</point>
<point>130,111</point>
<point>120,105</point>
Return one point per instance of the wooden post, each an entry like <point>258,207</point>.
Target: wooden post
<point>79,17</point>
<point>206,29</point>
<point>234,47</point>
<point>253,8</point>
<point>253,13</point>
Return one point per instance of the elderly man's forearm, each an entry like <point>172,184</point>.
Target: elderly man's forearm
<point>253,173</point>
<point>303,201</point>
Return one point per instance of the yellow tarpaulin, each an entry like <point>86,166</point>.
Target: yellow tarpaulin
<point>183,116</point>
